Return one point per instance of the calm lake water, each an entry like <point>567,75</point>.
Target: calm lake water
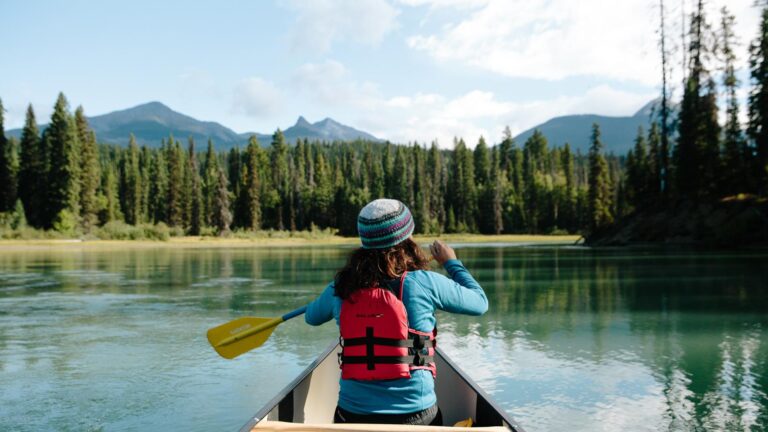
<point>575,339</point>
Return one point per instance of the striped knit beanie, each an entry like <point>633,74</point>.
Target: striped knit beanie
<point>384,223</point>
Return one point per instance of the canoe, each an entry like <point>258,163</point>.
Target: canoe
<point>311,400</point>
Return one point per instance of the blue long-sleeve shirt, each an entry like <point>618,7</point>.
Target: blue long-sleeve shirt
<point>423,293</point>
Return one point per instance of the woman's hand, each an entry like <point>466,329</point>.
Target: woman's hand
<point>442,252</point>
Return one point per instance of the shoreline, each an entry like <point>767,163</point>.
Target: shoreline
<point>194,242</point>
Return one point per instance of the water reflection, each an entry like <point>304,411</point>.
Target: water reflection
<point>575,339</point>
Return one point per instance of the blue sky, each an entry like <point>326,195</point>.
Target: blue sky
<point>403,70</point>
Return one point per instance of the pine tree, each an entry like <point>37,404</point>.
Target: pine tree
<point>323,193</point>
<point>158,187</point>
<point>663,149</point>
<point>145,165</point>
<point>437,185</point>
<point>32,175</point>
<point>600,193</point>
<point>194,191</point>
<point>110,211</point>
<point>654,163</point>
<point>251,189</point>
<point>638,169</point>
<point>90,172</point>
<point>8,168</point>
<point>758,103</point>
<point>482,163</point>
<point>486,190</point>
<point>131,181</point>
<point>210,185</point>
<point>399,181</point>
<point>569,204</point>
<point>697,152</point>
<point>60,139</point>
<point>734,145</point>
<point>280,177</point>
<point>176,199</point>
<point>221,216</point>
<point>534,155</point>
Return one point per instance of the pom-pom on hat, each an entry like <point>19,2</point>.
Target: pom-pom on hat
<point>384,223</point>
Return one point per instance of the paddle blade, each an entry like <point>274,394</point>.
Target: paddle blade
<point>225,331</point>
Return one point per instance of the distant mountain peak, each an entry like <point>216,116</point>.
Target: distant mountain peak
<point>152,122</point>
<point>302,122</point>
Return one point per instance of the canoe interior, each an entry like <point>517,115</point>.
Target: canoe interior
<point>312,396</point>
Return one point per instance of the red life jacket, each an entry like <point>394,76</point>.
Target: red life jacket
<point>377,343</point>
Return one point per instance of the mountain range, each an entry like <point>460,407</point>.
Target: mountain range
<point>151,122</point>
<point>617,133</point>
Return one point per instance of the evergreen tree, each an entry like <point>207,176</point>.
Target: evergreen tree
<point>90,172</point>
<point>210,185</point>
<point>437,185</point>
<point>758,103</point>
<point>654,163</point>
<point>221,216</point>
<point>145,166</point>
<point>176,199</point>
<point>110,210</point>
<point>9,166</point>
<point>399,181</point>
<point>131,184</point>
<point>569,204</point>
<point>697,152</point>
<point>323,194</point>
<point>234,163</point>
<point>600,193</point>
<point>662,163</point>
<point>280,178</point>
<point>195,192</point>
<point>158,187</point>
<point>32,175</point>
<point>251,188</point>
<point>60,139</point>
<point>638,169</point>
<point>734,145</point>
<point>534,155</point>
<point>482,163</point>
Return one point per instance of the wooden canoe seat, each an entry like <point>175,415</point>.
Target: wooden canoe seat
<point>278,426</point>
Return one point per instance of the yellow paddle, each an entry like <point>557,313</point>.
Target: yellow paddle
<point>246,333</point>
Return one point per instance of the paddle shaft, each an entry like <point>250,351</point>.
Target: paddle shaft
<point>261,327</point>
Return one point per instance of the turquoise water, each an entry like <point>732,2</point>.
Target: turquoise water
<point>575,339</point>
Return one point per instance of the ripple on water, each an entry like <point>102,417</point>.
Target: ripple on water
<point>229,281</point>
<point>20,281</point>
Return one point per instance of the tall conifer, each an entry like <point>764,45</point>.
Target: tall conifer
<point>90,171</point>
<point>758,103</point>
<point>8,168</point>
<point>600,194</point>
<point>63,147</point>
<point>32,176</point>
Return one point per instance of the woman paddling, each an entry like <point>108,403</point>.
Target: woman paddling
<point>384,301</point>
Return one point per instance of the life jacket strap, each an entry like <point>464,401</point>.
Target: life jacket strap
<point>416,360</point>
<point>417,342</point>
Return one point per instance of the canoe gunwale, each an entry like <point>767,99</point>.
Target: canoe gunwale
<point>269,406</point>
<point>480,392</point>
<point>287,390</point>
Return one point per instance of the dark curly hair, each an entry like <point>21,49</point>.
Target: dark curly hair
<point>367,268</point>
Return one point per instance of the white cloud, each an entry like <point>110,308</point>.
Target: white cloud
<point>329,84</point>
<point>320,23</point>
<point>556,39</point>
<point>425,117</point>
<point>256,97</point>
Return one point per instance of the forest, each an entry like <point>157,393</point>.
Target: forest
<point>62,180</point>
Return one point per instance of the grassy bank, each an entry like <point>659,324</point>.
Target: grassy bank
<point>266,239</point>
